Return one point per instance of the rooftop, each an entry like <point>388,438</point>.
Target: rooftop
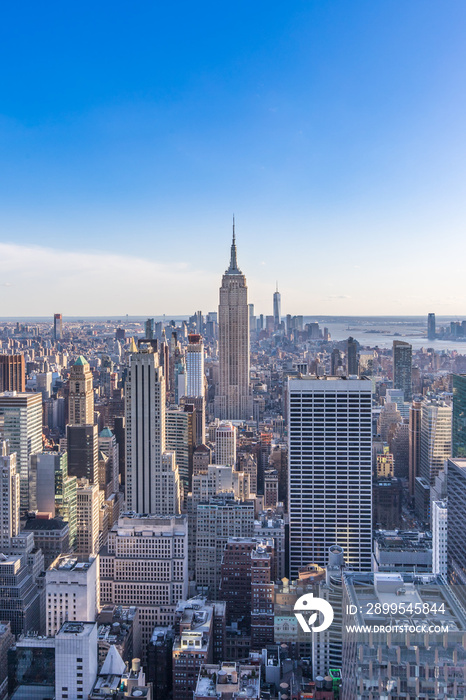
<point>36,524</point>
<point>228,680</point>
<point>106,432</point>
<point>81,629</point>
<point>403,540</point>
<point>65,562</point>
<point>411,590</point>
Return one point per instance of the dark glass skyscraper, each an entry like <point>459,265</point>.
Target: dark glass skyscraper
<point>57,327</point>
<point>458,446</point>
<point>352,350</point>
<point>277,310</point>
<point>456,551</point>
<point>431,326</point>
<point>402,368</point>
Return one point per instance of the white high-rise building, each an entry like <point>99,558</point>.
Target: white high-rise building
<point>72,591</point>
<point>435,438</point>
<point>152,480</point>
<point>76,660</point>
<point>277,308</point>
<point>330,470</point>
<point>234,398</point>
<point>9,497</point>
<point>225,444</point>
<point>21,425</point>
<point>87,517</point>
<point>439,537</point>
<point>195,366</point>
<point>146,564</point>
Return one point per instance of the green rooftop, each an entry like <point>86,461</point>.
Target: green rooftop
<point>106,432</point>
<point>81,361</point>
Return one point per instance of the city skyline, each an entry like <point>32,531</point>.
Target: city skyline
<point>232,350</point>
<point>129,170</point>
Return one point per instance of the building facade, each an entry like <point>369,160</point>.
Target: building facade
<point>402,368</point>
<point>22,427</point>
<point>12,373</point>
<point>456,551</point>
<point>83,451</point>
<point>81,393</point>
<point>277,309</point>
<point>9,498</point>
<point>72,591</point>
<point>330,470</point>
<point>145,564</point>
<point>439,537</point>
<point>458,446</point>
<point>152,481</point>
<point>435,438</point>
<point>234,399</point>
<point>52,491</point>
<point>225,444</point>
<point>195,366</point>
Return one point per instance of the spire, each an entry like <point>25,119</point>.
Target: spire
<point>277,288</point>
<point>233,269</point>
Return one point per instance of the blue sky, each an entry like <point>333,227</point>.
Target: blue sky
<point>334,130</point>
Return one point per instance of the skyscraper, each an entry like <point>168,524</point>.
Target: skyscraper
<point>435,438</point>
<point>431,327</point>
<point>149,329</point>
<point>152,481</point>
<point>352,356</point>
<point>9,498</point>
<point>12,373</point>
<point>234,399</point>
<point>145,564</point>
<point>180,434</point>
<point>57,327</point>
<point>76,660</point>
<point>195,366</point>
<point>330,470</point>
<point>277,308</point>
<point>414,443</point>
<point>402,368</point>
<point>83,451</point>
<point>458,447</point>
<point>439,537</point>
<point>456,551</point>
<point>81,395</point>
<point>225,444</point>
<point>195,392</point>
<point>71,591</point>
<point>51,490</point>
<point>22,426</point>
<point>87,517</point>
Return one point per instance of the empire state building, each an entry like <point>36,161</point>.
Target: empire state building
<point>234,400</point>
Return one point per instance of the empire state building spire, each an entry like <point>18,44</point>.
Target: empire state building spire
<point>233,269</point>
<point>234,399</point>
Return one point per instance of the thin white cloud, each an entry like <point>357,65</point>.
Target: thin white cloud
<point>93,282</point>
